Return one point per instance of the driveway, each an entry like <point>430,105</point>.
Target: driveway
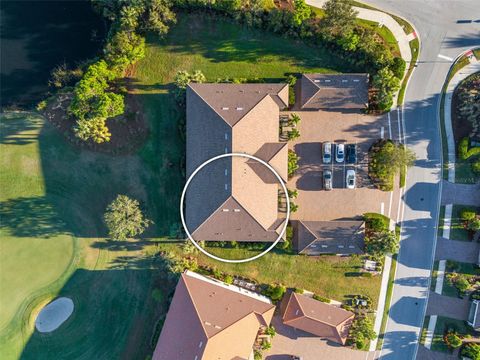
<point>461,194</point>
<point>289,341</point>
<point>448,306</point>
<point>463,251</point>
<point>314,203</point>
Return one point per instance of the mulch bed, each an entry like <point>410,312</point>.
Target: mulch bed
<point>461,127</point>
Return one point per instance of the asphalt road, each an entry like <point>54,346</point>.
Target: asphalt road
<point>446,28</point>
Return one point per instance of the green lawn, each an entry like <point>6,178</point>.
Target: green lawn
<point>433,281</point>
<point>467,269</point>
<point>444,323</point>
<point>388,299</point>
<point>52,201</point>
<point>457,229</point>
<point>333,277</point>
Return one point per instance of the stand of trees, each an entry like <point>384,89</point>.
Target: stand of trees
<point>98,96</point>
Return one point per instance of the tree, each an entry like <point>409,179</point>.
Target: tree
<point>124,49</point>
<point>398,67</point>
<point>301,12</point>
<point>339,18</point>
<point>387,84</point>
<point>275,292</point>
<point>386,160</point>
<point>292,162</point>
<point>124,218</point>
<point>382,243</point>
<point>471,351</point>
<point>183,78</point>
<point>293,134</point>
<point>361,331</point>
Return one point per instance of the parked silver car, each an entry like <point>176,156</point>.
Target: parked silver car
<point>327,180</point>
<point>327,153</point>
<point>350,179</point>
<point>340,153</point>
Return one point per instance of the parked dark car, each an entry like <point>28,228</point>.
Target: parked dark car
<point>327,179</point>
<point>351,150</point>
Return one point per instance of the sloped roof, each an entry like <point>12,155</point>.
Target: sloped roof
<point>210,320</point>
<point>317,318</point>
<point>242,118</point>
<point>333,237</point>
<point>334,91</point>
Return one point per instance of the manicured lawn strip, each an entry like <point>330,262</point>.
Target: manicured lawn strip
<point>53,199</point>
<point>441,220</point>
<point>423,333</point>
<point>403,176</point>
<point>388,299</point>
<point>414,48</point>
<point>433,281</point>
<point>444,323</point>
<point>476,52</point>
<point>458,231</point>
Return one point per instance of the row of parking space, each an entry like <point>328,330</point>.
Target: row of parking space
<point>337,176</point>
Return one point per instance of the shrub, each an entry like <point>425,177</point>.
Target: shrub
<point>381,243</point>
<point>361,331</point>
<point>376,222</point>
<point>298,290</point>
<point>476,166</point>
<point>473,225</point>
<point>462,284</point>
<point>467,214</point>
<point>292,162</point>
<point>271,331</point>
<point>41,105</point>
<point>471,351</point>
<point>291,81</point>
<point>463,148</point>
<point>257,355</point>
<point>398,67</point>
<point>453,340</point>
<point>275,292</point>
<point>228,279</point>
<point>387,84</point>
<point>266,345</point>
<point>321,298</point>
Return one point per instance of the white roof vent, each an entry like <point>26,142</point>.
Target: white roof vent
<point>239,108</point>
<point>200,345</point>
<point>340,246</point>
<point>356,80</point>
<point>328,80</point>
<point>225,210</point>
<point>324,246</point>
<point>225,108</point>
<point>317,81</point>
<point>236,210</point>
<point>344,81</point>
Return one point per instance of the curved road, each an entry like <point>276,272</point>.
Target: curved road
<point>446,28</point>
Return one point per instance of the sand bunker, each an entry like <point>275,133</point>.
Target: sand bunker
<point>54,314</point>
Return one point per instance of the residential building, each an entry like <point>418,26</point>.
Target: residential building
<point>235,198</point>
<point>210,320</point>
<point>341,237</point>
<point>340,92</point>
<point>315,317</point>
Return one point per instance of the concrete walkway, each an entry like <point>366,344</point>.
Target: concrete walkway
<point>440,276</point>
<point>461,194</point>
<point>385,20</point>
<point>447,221</point>
<point>381,300</point>
<point>430,331</point>
<point>462,251</point>
<point>468,70</point>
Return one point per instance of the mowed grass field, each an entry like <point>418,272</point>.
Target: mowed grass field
<point>52,201</point>
<point>53,197</point>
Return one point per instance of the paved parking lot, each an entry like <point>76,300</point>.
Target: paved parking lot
<point>314,203</point>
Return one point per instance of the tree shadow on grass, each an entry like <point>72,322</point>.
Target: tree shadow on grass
<point>14,132</point>
<point>31,217</point>
<point>115,316</point>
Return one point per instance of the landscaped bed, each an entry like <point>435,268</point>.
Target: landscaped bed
<point>461,280</point>
<point>445,325</point>
<point>458,228</point>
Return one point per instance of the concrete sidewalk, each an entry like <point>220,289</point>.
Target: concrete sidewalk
<point>468,70</point>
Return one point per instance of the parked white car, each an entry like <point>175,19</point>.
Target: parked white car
<point>340,153</point>
<point>350,179</point>
<point>327,153</point>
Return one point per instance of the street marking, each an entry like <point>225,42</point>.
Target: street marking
<point>382,132</point>
<point>399,125</point>
<point>444,57</point>
<point>440,276</point>
<point>447,221</point>
<point>431,328</point>
<point>389,127</point>
<point>390,205</point>
<point>382,208</point>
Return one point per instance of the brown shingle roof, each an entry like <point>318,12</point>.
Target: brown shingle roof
<point>332,237</point>
<point>317,318</point>
<point>210,320</point>
<point>327,91</point>
<point>225,118</point>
